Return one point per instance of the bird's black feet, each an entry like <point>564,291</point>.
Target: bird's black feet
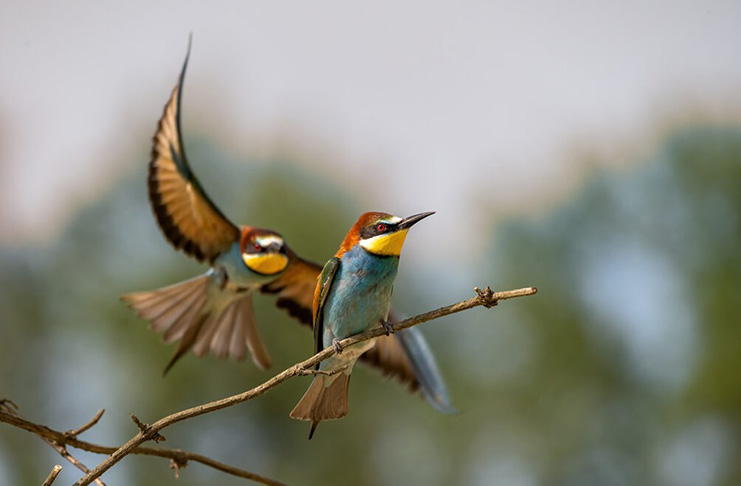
<point>336,345</point>
<point>388,326</point>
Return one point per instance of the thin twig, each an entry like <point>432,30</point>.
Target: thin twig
<point>52,475</point>
<point>87,426</point>
<point>58,445</point>
<point>62,450</point>
<point>486,298</point>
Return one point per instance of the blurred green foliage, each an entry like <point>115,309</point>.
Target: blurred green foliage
<point>623,370</point>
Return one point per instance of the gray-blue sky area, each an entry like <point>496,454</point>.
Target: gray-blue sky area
<point>455,104</point>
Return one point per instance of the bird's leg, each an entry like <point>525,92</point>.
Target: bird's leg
<point>336,345</point>
<point>388,326</point>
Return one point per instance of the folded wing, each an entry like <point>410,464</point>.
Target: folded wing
<point>295,291</point>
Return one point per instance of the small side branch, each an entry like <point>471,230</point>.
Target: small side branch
<point>52,475</point>
<point>146,430</point>
<point>62,450</point>
<point>93,421</point>
<point>8,409</point>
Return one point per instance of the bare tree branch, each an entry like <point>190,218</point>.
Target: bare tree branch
<point>10,409</point>
<point>485,297</point>
<point>179,459</point>
<point>62,450</point>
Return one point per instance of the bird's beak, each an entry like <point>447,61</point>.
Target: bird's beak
<point>412,220</point>
<point>274,247</point>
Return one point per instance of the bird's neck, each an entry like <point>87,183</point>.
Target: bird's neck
<point>369,265</point>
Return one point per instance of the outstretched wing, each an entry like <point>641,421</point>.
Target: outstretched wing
<point>324,285</point>
<point>295,288</point>
<point>181,312</point>
<point>186,215</point>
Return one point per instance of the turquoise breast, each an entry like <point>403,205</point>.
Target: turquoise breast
<point>360,295</point>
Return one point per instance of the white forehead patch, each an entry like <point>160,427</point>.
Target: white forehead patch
<point>392,220</point>
<point>265,241</point>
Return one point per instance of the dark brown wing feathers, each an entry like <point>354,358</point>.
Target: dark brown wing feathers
<point>189,219</point>
<point>295,288</point>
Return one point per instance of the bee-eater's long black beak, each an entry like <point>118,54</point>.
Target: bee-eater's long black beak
<point>274,247</point>
<point>412,220</point>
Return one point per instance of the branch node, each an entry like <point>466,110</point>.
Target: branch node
<point>9,405</point>
<point>147,431</point>
<point>486,297</point>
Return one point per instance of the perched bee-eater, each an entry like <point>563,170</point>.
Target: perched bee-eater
<point>353,294</point>
<point>213,312</point>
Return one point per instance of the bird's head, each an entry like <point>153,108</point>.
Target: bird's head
<point>263,251</point>
<point>381,234</point>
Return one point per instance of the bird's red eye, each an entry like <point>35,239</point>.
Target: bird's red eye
<point>257,247</point>
<point>380,227</point>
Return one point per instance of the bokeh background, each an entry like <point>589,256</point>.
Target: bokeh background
<point>590,149</point>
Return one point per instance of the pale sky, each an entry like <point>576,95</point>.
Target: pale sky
<point>454,105</point>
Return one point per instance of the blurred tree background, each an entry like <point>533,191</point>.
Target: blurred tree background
<point>623,370</point>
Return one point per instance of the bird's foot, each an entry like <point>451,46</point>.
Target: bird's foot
<point>305,372</point>
<point>337,346</point>
<point>388,326</point>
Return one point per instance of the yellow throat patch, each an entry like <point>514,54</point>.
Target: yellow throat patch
<point>386,245</point>
<point>265,263</point>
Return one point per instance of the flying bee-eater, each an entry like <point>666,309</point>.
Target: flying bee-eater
<point>213,312</point>
<point>353,294</point>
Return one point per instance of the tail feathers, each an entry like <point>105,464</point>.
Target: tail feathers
<point>184,312</point>
<point>191,335</point>
<point>231,333</point>
<point>246,333</point>
<point>425,369</point>
<point>323,400</point>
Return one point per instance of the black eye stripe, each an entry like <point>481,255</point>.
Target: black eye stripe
<point>371,231</point>
<point>255,246</point>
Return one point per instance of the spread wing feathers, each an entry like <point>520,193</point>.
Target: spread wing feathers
<point>326,278</point>
<point>295,288</point>
<point>231,333</point>
<point>180,312</point>
<point>189,219</point>
<point>171,310</point>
